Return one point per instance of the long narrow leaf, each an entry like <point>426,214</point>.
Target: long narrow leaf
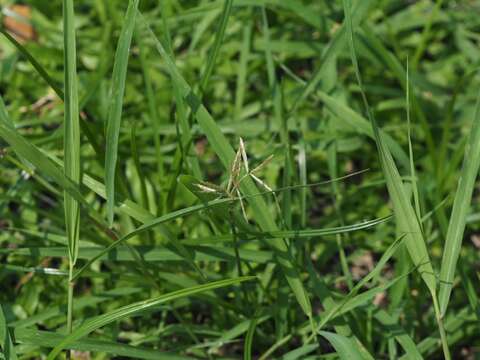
<point>404,212</point>
<point>115,109</point>
<point>72,130</point>
<point>134,309</point>
<point>346,348</point>
<point>461,206</point>
<point>6,344</point>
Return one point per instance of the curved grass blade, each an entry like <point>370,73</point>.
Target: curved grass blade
<point>247,347</point>
<point>461,207</point>
<point>36,65</point>
<point>115,108</point>
<point>134,309</point>
<point>404,212</point>
<point>36,157</point>
<point>149,225</point>
<point>117,349</point>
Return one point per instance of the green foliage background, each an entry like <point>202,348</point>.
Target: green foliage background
<point>278,74</point>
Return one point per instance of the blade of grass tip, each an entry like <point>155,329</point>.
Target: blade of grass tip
<point>404,212</point>
<point>133,309</point>
<point>71,149</point>
<point>115,107</point>
<point>225,152</point>
<point>6,344</point>
<point>461,207</point>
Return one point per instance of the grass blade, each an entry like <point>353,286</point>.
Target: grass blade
<point>461,207</point>
<point>404,212</point>
<point>7,350</point>
<point>115,108</point>
<point>72,130</point>
<point>71,148</point>
<point>346,348</point>
<point>116,349</point>
<point>133,309</point>
<point>247,352</point>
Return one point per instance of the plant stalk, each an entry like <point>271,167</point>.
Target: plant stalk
<point>71,285</point>
<point>441,328</point>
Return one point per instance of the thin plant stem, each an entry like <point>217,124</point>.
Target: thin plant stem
<point>441,328</point>
<point>71,285</point>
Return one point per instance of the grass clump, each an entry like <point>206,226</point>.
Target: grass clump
<point>231,179</point>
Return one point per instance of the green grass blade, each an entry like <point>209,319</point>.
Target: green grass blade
<point>115,107</point>
<point>408,222</point>
<point>116,349</point>
<point>7,350</point>
<point>404,212</point>
<point>247,347</point>
<point>39,68</point>
<point>72,130</point>
<point>133,309</point>
<point>346,348</point>
<point>30,152</point>
<point>361,125</point>
<point>299,353</point>
<point>461,207</point>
